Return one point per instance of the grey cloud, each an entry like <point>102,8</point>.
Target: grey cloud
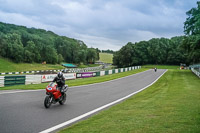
<point>30,7</point>
<point>109,22</point>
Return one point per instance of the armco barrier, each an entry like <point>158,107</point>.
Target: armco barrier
<point>1,81</point>
<point>14,80</point>
<point>196,72</point>
<point>195,69</point>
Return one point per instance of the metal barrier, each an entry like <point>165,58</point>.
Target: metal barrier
<point>195,69</point>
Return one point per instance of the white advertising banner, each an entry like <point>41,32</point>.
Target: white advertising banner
<point>110,72</point>
<point>70,76</point>
<point>33,79</point>
<point>50,77</point>
<point>1,81</point>
<point>102,73</point>
<point>116,71</point>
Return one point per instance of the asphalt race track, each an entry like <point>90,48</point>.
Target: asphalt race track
<point>24,112</point>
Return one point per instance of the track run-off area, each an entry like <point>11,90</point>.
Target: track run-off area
<point>24,111</point>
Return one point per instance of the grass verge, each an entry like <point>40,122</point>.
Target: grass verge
<point>9,66</point>
<point>162,66</point>
<point>88,65</point>
<point>172,104</point>
<point>106,57</point>
<point>77,82</point>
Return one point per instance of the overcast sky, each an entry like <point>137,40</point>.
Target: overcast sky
<point>103,24</point>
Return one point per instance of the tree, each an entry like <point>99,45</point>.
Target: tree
<point>23,44</point>
<point>49,55</point>
<point>116,58</point>
<point>14,49</point>
<point>141,55</point>
<point>191,47</point>
<point>125,56</point>
<point>31,53</point>
<point>60,58</point>
<point>191,43</point>
<point>3,45</point>
<point>192,23</point>
<point>154,51</point>
<point>82,56</point>
<point>91,55</point>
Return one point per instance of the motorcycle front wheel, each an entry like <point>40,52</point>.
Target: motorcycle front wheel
<point>47,101</point>
<point>63,99</point>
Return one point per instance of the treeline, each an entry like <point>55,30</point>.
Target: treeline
<point>22,44</point>
<point>154,51</point>
<point>108,51</point>
<point>183,49</point>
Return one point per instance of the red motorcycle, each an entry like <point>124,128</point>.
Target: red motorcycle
<point>54,95</point>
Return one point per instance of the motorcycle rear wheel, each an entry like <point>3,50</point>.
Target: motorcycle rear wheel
<point>63,99</point>
<point>47,102</point>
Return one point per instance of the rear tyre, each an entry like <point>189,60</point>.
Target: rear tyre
<point>47,102</point>
<point>64,96</point>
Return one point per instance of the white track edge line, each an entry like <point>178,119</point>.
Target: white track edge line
<point>96,110</point>
<point>21,91</point>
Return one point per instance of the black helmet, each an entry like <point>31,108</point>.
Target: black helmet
<point>60,74</point>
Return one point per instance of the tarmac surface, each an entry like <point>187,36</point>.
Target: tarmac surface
<point>24,111</point>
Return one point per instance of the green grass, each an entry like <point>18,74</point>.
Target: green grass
<point>106,58</point>
<point>162,66</point>
<point>9,66</point>
<point>76,82</point>
<point>171,105</point>
<point>89,65</point>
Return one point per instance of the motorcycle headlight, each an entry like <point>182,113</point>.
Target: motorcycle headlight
<point>49,88</point>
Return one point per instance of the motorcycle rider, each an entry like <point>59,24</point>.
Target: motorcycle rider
<point>60,80</point>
